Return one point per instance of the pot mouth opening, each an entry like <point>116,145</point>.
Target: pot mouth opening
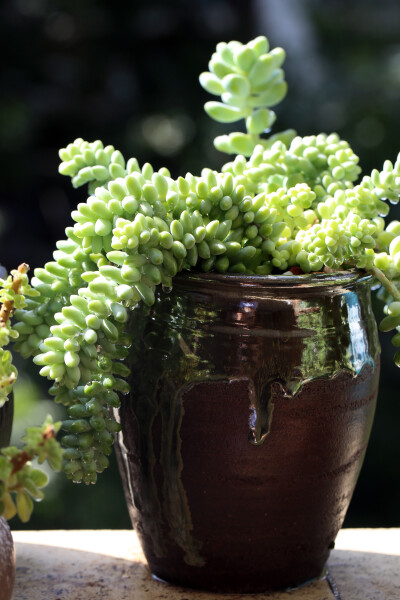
<point>337,278</point>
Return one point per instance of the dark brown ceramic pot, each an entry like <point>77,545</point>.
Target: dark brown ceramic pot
<point>7,557</point>
<point>251,407</point>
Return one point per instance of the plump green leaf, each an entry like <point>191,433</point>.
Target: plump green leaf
<point>389,322</point>
<point>273,95</point>
<point>219,68</point>
<point>223,144</point>
<point>236,85</point>
<point>277,76</point>
<point>9,508</point>
<point>222,113</point>
<point>279,55</point>
<point>397,358</point>
<point>242,143</point>
<point>245,58</point>
<point>24,506</point>
<point>260,121</point>
<point>39,478</point>
<point>260,45</point>
<point>234,100</point>
<point>262,70</point>
<point>226,52</point>
<point>33,490</point>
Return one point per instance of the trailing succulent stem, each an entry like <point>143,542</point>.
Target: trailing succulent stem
<point>284,204</point>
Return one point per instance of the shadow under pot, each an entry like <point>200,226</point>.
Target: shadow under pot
<point>251,408</point>
<point>7,555</point>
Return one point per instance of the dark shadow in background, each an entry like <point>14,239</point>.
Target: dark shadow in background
<point>126,72</point>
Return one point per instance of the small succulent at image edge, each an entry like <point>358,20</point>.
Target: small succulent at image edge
<point>283,204</point>
<point>20,482</point>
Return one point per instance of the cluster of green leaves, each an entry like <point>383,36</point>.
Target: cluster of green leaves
<point>9,300</point>
<point>91,163</point>
<point>20,483</point>
<point>249,80</point>
<point>294,204</point>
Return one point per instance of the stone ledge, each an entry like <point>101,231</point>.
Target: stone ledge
<point>109,565</point>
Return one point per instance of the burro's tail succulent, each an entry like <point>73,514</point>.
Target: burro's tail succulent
<point>284,204</point>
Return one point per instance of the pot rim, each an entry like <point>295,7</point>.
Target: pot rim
<point>307,280</point>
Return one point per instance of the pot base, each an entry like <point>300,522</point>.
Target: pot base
<point>7,561</point>
<point>247,587</point>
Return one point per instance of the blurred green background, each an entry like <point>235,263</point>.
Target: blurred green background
<point>126,72</point>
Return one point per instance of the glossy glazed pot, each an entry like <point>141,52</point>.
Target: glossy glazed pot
<point>251,407</point>
<point>7,555</point>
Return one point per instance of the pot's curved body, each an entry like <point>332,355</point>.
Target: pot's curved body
<point>251,407</point>
<point>7,556</point>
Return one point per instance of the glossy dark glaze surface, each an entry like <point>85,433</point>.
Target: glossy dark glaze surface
<point>252,405</point>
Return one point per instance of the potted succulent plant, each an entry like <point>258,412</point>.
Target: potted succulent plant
<point>20,481</point>
<point>235,306</point>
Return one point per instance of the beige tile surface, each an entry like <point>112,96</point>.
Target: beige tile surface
<point>366,564</point>
<point>85,565</point>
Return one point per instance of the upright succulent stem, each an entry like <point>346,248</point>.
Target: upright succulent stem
<point>387,284</point>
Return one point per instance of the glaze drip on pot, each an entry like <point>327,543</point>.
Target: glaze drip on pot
<point>255,346</point>
<point>260,417</point>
